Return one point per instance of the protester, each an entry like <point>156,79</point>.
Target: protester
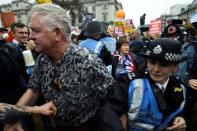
<point>11,88</point>
<point>173,31</point>
<point>123,58</point>
<point>73,78</point>
<point>188,69</point>
<point>153,100</point>
<point>137,45</point>
<point>20,33</point>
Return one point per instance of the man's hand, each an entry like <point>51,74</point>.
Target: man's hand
<point>46,109</point>
<point>11,113</point>
<point>193,83</point>
<point>124,119</point>
<point>179,124</point>
<point>30,45</point>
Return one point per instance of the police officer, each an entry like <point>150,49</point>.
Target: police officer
<point>153,100</point>
<point>94,33</point>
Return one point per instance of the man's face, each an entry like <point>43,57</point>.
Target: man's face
<point>171,29</point>
<point>21,35</point>
<point>133,35</point>
<point>160,71</point>
<point>43,38</point>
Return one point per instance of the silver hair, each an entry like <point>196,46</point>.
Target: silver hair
<point>53,16</point>
<point>137,31</point>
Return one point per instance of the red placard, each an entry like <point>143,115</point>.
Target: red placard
<point>7,19</point>
<point>155,27</point>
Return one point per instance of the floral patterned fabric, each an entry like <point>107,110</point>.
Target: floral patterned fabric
<point>76,84</point>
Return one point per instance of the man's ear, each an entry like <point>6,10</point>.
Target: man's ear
<point>58,34</point>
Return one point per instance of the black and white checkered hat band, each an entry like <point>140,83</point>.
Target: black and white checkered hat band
<point>166,56</point>
<point>173,57</point>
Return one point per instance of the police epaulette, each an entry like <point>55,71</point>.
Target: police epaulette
<point>136,75</point>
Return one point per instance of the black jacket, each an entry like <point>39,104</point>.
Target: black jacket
<point>117,104</point>
<point>11,82</point>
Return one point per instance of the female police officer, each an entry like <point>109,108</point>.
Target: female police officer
<point>153,100</point>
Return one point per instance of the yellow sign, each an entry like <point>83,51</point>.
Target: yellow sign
<point>128,29</point>
<point>43,1</point>
<point>119,23</point>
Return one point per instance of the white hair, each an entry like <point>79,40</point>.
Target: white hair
<point>53,16</point>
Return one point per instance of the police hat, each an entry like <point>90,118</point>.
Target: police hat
<point>94,28</point>
<point>165,49</point>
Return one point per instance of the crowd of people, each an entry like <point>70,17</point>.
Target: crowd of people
<point>94,81</point>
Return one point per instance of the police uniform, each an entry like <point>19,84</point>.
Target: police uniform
<point>147,106</point>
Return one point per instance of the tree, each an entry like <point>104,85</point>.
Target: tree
<point>75,7</point>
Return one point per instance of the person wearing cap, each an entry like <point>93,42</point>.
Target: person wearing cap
<point>93,33</point>
<point>153,100</point>
<point>173,31</point>
<point>97,41</point>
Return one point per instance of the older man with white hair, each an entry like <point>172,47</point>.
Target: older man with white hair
<point>74,79</point>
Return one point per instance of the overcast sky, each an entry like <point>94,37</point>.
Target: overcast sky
<point>153,8</point>
<point>135,8</point>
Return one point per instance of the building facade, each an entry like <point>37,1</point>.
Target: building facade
<point>20,8</point>
<point>179,11</point>
<point>189,11</point>
<point>176,9</point>
<point>101,10</point>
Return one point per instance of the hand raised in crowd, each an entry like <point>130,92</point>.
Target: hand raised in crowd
<point>193,83</point>
<point>30,45</point>
<point>178,124</point>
